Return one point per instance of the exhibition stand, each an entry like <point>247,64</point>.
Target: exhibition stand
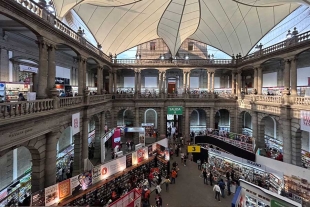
<point>250,195</point>
<point>107,182</point>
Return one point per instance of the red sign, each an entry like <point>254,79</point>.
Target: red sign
<point>104,171</point>
<point>140,154</point>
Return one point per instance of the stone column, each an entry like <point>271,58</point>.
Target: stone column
<point>136,81</point>
<point>294,76</point>
<point>51,68</point>
<point>255,131</point>
<point>137,120</point>
<point>286,75</point>
<point>259,80</point>
<point>164,82</point>
<point>85,141</point>
<point>212,77</point>
<point>160,81</point>
<point>162,122</point>
<point>77,164</point>
<point>233,83</point>
<point>239,83</point>
<point>184,81</point>
<point>115,81</point>
<point>50,158</point>
<point>296,148</point>
<point>37,174</point>
<point>99,80</point>
<point>82,76</point>
<point>43,69</point>
<point>255,86</point>
<point>110,81</point>
<point>4,65</point>
<point>187,123</point>
<point>212,117</point>
<point>287,140</point>
<point>189,80</point>
<point>209,83</point>
<point>102,123</point>
<point>139,81</point>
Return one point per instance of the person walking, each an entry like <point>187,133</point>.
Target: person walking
<point>184,160</point>
<point>205,176</point>
<point>228,186</point>
<point>167,182</point>
<point>222,187</point>
<point>211,178</point>
<point>173,176</point>
<point>199,164</point>
<point>158,189</point>
<point>217,190</point>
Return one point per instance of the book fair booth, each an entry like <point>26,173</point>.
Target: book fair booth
<point>118,182</point>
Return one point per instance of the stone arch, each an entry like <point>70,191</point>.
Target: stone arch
<point>95,139</point>
<point>126,117</point>
<point>300,142</point>
<point>222,119</point>
<point>198,120</point>
<point>151,116</point>
<point>64,45</point>
<point>303,51</point>
<point>245,123</point>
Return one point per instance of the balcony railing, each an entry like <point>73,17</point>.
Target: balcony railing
<point>96,98</point>
<point>270,99</point>
<point>70,101</point>
<point>305,101</point>
<point>41,12</point>
<point>22,108</point>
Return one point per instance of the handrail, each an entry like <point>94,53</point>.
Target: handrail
<point>302,101</point>
<point>70,101</point>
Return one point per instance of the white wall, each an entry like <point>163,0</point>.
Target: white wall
<point>270,79</point>
<point>62,72</point>
<point>194,82</point>
<point>129,82</point>
<point>302,76</point>
<point>217,83</point>
<point>150,82</point>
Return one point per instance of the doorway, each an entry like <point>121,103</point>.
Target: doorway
<point>171,87</point>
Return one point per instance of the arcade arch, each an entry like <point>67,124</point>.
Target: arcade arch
<point>125,117</point>
<point>222,120</point>
<point>150,116</point>
<point>198,121</point>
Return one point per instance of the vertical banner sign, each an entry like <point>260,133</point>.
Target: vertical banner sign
<point>116,138</point>
<point>51,195</point>
<point>64,189</point>
<point>75,123</point>
<point>305,120</point>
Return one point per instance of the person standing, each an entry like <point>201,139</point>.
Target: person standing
<point>173,176</point>
<point>222,187</point>
<point>217,190</point>
<point>211,178</point>
<point>228,186</point>
<point>167,182</point>
<point>205,176</point>
<point>184,160</point>
<point>199,164</point>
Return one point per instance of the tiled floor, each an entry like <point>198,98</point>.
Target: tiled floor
<point>189,190</point>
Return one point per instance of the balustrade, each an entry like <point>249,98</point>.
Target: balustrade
<point>270,99</point>
<point>302,101</point>
<point>13,109</point>
<point>70,101</point>
<point>124,95</point>
<point>96,98</point>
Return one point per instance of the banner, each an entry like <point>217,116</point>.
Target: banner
<point>38,198</point>
<point>128,160</point>
<point>75,185</point>
<point>305,120</point>
<point>117,165</point>
<point>75,123</point>
<point>150,150</point>
<point>28,69</point>
<point>141,155</point>
<point>134,158</point>
<point>116,138</point>
<point>85,179</point>
<point>64,189</point>
<point>51,195</point>
<point>97,174</point>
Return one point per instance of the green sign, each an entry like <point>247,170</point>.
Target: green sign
<point>277,204</point>
<point>175,110</point>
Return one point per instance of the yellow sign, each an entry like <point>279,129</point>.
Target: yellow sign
<point>193,149</point>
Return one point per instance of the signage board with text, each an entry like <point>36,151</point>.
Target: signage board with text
<point>193,149</point>
<point>175,110</point>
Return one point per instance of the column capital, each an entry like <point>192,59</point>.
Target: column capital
<point>162,70</point>
<point>137,70</point>
<point>43,41</point>
<point>81,58</point>
<point>289,59</point>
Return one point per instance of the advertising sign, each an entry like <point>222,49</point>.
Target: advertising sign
<point>275,203</point>
<point>128,160</point>
<point>113,167</point>
<point>175,110</point>
<point>85,179</point>
<point>38,198</point>
<point>97,174</point>
<point>305,120</point>
<point>134,158</point>
<point>51,195</point>
<point>141,154</point>
<point>75,184</point>
<point>75,123</point>
<point>28,69</point>
<point>116,138</point>
<point>64,189</point>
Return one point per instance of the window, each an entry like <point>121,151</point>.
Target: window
<point>152,46</point>
<point>190,46</point>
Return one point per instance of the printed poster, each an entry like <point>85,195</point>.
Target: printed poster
<point>142,138</point>
<point>141,154</point>
<point>85,179</point>
<point>51,195</point>
<point>97,174</point>
<point>117,165</point>
<point>134,158</point>
<point>64,189</point>
<point>150,150</point>
<point>75,123</point>
<point>128,160</point>
<point>305,120</point>
<point>38,198</point>
<point>75,185</point>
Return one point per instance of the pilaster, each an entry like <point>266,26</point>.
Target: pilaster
<point>84,141</point>
<point>50,158</point>
<point>43,68</point>
<point>259,80</point>
<point>51,67</point>
<point>81,74</point>
<point>293,74</point>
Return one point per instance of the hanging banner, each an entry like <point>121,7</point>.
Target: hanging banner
<point>175,110</point>
<point>38,198</point>
<point>305,120</point>
<point>64,189</point>
<point>51,195</point>
<point>75,123</point>
<point>28,69</point>
<point>116,138</point>
<point>75,184</point>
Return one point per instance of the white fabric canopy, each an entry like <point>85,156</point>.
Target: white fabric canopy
<point>233,26</point>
